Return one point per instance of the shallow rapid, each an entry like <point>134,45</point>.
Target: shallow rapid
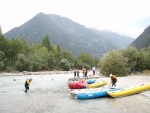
<point>50,94</point>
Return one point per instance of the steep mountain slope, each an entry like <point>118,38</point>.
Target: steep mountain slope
<point>143,41</point>
<point>62,31</point>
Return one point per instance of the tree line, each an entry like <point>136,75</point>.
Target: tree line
<point>125,62</point>
<point>18,55</point>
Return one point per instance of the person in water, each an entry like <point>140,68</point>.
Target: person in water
<point>113,80</point>
<point>27,83</point>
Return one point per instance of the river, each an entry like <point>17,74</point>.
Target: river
<point>50,94</point>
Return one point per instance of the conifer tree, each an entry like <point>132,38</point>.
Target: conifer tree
<point>46,43</point>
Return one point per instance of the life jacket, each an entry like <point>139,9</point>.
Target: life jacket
<point>113,78</point>
<point>27,82</point>
<point>86,72</point>
<point>83,70</point>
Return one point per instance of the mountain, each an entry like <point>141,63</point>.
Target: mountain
<point>143,40</point>
<point>115,40</point>
<point>67,34</point>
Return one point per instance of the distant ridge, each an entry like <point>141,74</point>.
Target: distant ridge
<point>68,34</point>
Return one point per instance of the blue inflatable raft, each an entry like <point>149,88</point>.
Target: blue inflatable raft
<point>91,81</point>
<point>96,94</point>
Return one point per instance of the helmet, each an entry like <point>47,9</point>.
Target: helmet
<point>30,79</point>
<point>110,75</point>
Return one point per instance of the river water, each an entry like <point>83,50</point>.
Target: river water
<point>50,94</point>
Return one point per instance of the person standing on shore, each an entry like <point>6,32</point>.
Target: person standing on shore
<point>86,72</point>
<point>113,80</point>
<point>83,72</point>
<point>75,74</point>
<point>93,68</point>
<point>27,83</point>
<point>78,74</point>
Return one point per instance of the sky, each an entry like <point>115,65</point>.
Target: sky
<point>126,17</point>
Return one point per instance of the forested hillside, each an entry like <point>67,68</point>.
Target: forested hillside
<point>143,41</point>
<point>18,55</point>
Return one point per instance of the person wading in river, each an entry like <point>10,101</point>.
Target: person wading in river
<point>27,83</point>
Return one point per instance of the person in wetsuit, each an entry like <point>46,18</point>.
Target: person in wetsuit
<point>27,83</point>
<point>113,80</point>
<point>75,74</point>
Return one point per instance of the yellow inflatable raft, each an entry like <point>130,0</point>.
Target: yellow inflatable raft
<point>97,84</point>
<point>130,91</point>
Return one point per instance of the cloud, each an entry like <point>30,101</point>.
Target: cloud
<point>122,16</point>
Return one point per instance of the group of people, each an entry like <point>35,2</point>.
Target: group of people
<point>76,74</point>
<point>113,79</point>
<point>85,72</point>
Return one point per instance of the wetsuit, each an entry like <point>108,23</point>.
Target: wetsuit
<point>93,70</point>
<point>113,80</point>
<point>78,74</point>
<point>75,74</point>
<point>27,82</point>
<point>86,73</point>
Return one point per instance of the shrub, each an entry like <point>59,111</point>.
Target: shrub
<point>22,64</point>
<point>9,69</point>
<point>64,64</point>
<point>2,65</point>
<point>114,63</point>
